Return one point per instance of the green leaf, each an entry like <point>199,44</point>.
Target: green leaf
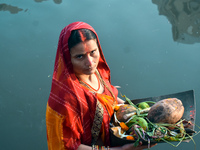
<point>129,101</point>
<point>137,142</point>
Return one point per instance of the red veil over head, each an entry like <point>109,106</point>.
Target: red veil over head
<point>71,102</point>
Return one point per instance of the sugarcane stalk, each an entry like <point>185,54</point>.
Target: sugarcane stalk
<point>126,116</point>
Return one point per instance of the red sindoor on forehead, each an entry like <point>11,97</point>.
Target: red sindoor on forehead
<point>83,38</point>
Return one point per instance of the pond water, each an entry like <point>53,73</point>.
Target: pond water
<point>152,48</point>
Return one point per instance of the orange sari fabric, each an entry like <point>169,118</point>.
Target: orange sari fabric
<point>71,107</point>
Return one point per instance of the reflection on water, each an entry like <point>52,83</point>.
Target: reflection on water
<point>39,0</point>
<point>55,1</point>
<point>15,9</point>
<point>10,8</point>
<point>184,16</point>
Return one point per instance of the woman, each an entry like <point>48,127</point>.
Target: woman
<point>81,101</point>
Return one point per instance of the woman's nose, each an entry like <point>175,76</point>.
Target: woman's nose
<point>89,60</point>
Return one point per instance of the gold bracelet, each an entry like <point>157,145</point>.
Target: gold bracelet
<point>97,147</point>
<point>92,147</point>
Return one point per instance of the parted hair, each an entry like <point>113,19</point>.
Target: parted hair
<point>80,35</point>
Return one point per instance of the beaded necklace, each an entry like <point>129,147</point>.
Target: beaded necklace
<point>89,86</point>
<point>100,81</point>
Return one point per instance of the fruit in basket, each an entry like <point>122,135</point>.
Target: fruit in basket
<point>139,121</point>
<point>123,110</point>
<point>143,105</point>
<point>166,111</point>
<point>117,131</point>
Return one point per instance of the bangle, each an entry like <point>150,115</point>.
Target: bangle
<point>97,147</point>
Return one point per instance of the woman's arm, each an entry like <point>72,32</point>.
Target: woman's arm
<point>120,101</point>
<point>84,147</point>
<point>125,147</point>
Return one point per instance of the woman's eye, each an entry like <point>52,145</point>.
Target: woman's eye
<point>92,52</point>
<point>79,56</point>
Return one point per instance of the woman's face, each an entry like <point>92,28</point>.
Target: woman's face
<point>85,57</point>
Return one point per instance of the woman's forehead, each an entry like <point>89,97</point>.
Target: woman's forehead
<point>84,47</point>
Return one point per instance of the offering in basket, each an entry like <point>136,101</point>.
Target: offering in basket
<point>166,118</point>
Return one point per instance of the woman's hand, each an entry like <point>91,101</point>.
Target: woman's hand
<point>132,147</point>
<point>120,101</point>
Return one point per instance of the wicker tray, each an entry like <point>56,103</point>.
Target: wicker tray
<point>188,100</point>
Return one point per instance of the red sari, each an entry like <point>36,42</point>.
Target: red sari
<point>71,107</point>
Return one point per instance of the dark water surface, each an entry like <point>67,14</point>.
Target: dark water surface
<point>152,48</point>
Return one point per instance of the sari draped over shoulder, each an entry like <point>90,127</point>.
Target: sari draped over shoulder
<point>71,108</point>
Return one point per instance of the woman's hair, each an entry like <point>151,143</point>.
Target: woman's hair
<point>80,35</point>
